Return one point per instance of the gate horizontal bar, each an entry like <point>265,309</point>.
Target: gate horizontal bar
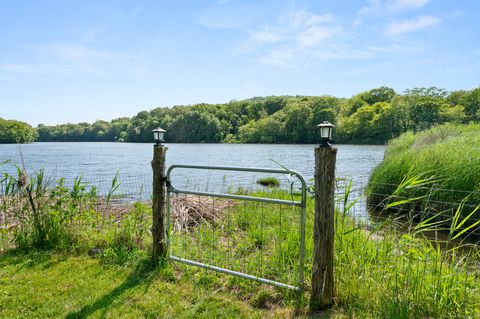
<point>240,169</point>
<point>235,273</point>
<point>302,204</point>
<point>243,197</point>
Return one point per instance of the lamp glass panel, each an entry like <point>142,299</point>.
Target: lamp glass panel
<point>325,131</point>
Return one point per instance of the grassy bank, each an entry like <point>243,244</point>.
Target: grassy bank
<point>444,162</point>
<point>379,273</point>
<point>55,285</point>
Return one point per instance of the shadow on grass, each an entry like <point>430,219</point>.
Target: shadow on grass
<point>142,274</point>
<point>325,314</point>
<point>22,259</point>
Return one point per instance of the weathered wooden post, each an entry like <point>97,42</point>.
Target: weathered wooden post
<point>159,231</point>
<point>322,272</point>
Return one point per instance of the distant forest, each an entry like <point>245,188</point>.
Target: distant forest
<point>371,117</point>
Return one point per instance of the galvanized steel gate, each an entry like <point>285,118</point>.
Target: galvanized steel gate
<point>285,258</point>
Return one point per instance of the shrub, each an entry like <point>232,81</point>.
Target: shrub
<point>269,182</point>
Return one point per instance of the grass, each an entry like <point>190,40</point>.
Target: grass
<point>53,285</point>
<point>445,158</point>
<point>379,272</point>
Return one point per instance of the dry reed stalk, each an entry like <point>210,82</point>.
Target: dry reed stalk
<point>190,211</point>
<point>187,211</point>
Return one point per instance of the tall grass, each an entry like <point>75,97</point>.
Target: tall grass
<point>39,213</point>
<point>447,158</point>
<point>383,272</point>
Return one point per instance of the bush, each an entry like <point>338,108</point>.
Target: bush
<point>269,182</point>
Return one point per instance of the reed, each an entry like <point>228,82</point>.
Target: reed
<point>446,162</point>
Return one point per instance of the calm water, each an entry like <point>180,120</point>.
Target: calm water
<point>99,162</point>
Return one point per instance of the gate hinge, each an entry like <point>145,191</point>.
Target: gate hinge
<point>165,180</point>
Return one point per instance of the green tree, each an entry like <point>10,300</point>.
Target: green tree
<point>471,103</point>
<point>12,131</point>
<point>381,94</point>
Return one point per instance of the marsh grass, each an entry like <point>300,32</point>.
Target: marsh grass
<point>446,162</point>
<point>396,274</point>
<point>380,272</point>
<point>41,214</point>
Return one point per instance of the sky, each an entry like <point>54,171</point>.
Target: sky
<point>80,61</point>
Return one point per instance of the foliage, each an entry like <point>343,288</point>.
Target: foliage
<point>12,131</point>
<point>373,116</point>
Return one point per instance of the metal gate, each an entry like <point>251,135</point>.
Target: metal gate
<point>242,234</point>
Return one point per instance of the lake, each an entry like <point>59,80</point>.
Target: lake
<point>99,162</point>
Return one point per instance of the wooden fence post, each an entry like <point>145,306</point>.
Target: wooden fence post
<point>159,231</point>
<point>322,272</point>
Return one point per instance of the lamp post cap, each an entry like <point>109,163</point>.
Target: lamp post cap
<point>325,123</point>
<point>159,129</point>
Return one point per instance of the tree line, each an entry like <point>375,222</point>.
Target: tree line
<point>371,117</point>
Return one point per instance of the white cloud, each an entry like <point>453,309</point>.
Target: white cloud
<point>264,36</point>
<point>418,23</point>
<point>302,38</point>
<point>69,59</point>
<point>380,7</point>
<point>76,52</point>
<point>410,3</point>
<point>11,67</point>
<point>49,68</point>
<point>315,35</point>
<point>278,57</point>
<point>305,18</point>
<point>293,37</point>
<point>372,7</point>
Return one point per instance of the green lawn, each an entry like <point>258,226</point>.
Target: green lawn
<point>51,285</point>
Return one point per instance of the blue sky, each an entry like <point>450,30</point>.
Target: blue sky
<point>75,61</point>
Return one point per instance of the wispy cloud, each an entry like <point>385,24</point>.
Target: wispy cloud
<point>76,52</point>
<point>50,68</point>
<point>390,6</point>
<point>291,38</point>
<point>409,3</point>
<point>418,23</point>
<point>301,38</point>
<point>12,67</point>
<point>67,59</point>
